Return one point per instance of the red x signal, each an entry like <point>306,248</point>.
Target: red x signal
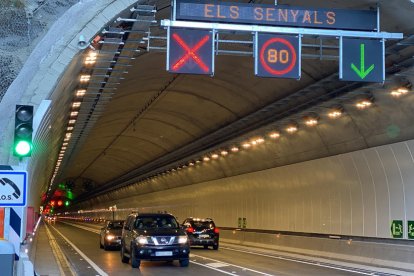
<point>190,53</point>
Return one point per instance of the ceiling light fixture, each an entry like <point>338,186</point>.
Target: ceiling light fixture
<point>224,152</point>
<point>234,149</point>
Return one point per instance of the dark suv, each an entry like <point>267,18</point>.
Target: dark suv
<point>202,232</point>
<point>153,237</point>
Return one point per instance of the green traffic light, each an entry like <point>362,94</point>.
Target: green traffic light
<point>22,148</point>
<point>67,203</point>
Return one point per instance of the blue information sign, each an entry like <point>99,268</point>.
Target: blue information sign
<point>13,186</point>
<point>190,51</point>
<point>277,56</point>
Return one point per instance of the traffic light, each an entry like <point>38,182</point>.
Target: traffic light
<point>23,129</point>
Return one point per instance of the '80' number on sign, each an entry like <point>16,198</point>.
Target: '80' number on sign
<point>275,56</point>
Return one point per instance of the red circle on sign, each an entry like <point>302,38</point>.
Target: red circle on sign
<point>270,69</point>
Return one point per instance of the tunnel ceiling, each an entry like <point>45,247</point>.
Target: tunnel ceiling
<point>155,121</point>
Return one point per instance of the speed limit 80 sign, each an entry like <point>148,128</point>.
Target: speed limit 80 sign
<point>277,56</point>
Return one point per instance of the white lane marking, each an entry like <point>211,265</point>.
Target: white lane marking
<point>244,268</point>
<point>213,268</point>
<point>300,261</point>
<point>217,265</point>
<point>97,268</point>
<point>82,227</point>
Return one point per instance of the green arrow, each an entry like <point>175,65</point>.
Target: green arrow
<point>361,72</point>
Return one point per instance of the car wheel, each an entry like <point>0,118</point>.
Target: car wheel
<point>135,263</point>
<point>205,246</point>
<point>184,263</point>
<point>215,247</point>
<point>124,258</point>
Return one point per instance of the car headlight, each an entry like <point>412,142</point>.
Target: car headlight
<point>142,240</point>
<point>110,237</point>
<point>182,239</point>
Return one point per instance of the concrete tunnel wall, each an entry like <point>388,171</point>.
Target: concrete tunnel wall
<point>353,194</point>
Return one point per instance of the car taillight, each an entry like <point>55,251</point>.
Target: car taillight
<point>216,230</point>
<point>190,230</point>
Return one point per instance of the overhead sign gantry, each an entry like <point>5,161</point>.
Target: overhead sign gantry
<point>277,34</point>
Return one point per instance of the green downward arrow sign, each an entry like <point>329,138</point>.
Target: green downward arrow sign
<point>361,72</point>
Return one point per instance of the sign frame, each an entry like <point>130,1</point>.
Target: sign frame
<point>19,188</point>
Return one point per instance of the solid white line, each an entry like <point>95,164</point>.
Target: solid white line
<point>299,261</point>
<point>244,268</point>
<point>213,268</point>
<point>82,227</point>
<point>97,268</point>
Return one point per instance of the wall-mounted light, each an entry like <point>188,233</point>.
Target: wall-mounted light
<point>311,121</point>
<point>214,156</point>
<point>206,159</point>
<point>91,58</point>
<point>363,104</point>
<point>246,145</point>
<point>74,113</point>
<point>335,113</point>
<point>399,92</point>
<point>291,128</point>
<point>224,152</point>
<point>76,104</point>
<point>84,78</point>
<point>274,135</point>
<point>80,92</point>
<point>234,149</point>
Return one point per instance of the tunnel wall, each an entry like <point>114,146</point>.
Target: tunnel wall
<point>355,194</point>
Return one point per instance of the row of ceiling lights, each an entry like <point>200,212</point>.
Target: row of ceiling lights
<point>84,79</point>
<point>310,121</point>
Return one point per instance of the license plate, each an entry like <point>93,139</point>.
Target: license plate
<point>163,253</point>
<point>204,236</point>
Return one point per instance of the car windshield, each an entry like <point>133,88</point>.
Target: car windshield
<point>155,222</point>
<point>203,224</point>
<point>115,225</point>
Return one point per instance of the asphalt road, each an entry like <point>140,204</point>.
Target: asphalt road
<point>81,246</point>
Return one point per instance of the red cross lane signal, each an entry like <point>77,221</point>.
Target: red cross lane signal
<point>190,51</point>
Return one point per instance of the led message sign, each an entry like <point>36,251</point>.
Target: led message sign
<point>279,15</point>
<point>277,56</point>
<point>190,51</point>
